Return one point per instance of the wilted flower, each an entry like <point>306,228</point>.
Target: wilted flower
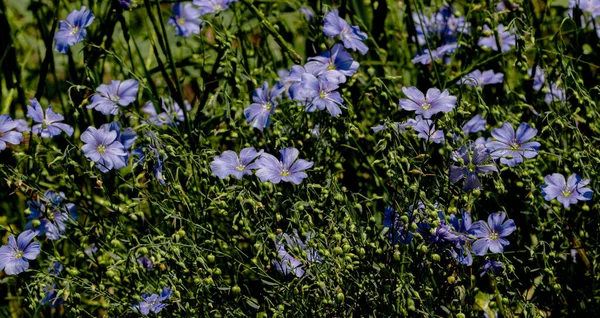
<point>555,93</point>
<point>145,262</point>
<point>265,102</point>
<point>101,146</point>
<point>288,169</point>
<point>512,147</point>
<point>51,297</point>
<point>15,257</point>
<point>478,78</point>
<point>491,235</point>
<point>495,266</point>
<point>566,192</point>
<point>153,303</point>
<point>114,95</point>
<point>351,36</point>
<point>308,13</point>
<point>289,264</point>
<point>398,230</point>
<point>172,113</point>
<point>49,216</point>
<point>49,122</point>
<point>538,78</point>
<point>429,56</point>
<point>72,30</point>
<point>91,249</point>
<point>186,19</point>
<point>506,38</point>
<point>230,164</point>
<point>472,165</point>
<point>427,105</point>
<point>7,135</point>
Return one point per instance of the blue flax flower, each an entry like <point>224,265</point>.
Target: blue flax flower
<point>112,97</point>
<point>512,147</point>
<point>172,114</point>
<point>307,12</point>
<point>230,164</point>
<point>213,6</point>
<point>398,230</point>
<point>159,166</point>
<point>49,216</point>
<point>72,30</point>
<point>265,101</point>
<point>153,303</point>
<point>288,169</point>
<point>7,135</point>
<point>102,147</point>
<point>443,24</point>
<point>478,78</point>
<point>476,124</point>
<point>566,192</point>
<point>495,266</point>
<point>351,36</point>
<point>506,38</point>
<point>145,262</point>
<point>15,257</point>
<point>538,78</point>
<point>462,228</point>
<point>429,56</point>
<point>91,249</point>
<point>287,263</point>
<point>491,235</point>
<point>334,60</point>
<point>186,19</point>
<point>428,105</point>
<point>51,297</point>
<point>472,165</point>
<point>49,122</point>
<point>426,130</point>
<point>555,93</point>
<point>320,94</point>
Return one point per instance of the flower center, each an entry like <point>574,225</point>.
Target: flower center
<point>426,106</point>
<point>240,167</point>
<point>471,168</point>
<point>46,123</point>
<point>18,254</point>
<point>114,98</point>
<point>566,193</point>
<point>1,134</point>
<point>323,94</point>
<point>101,149</point>
<point>267,106</point>
<point>331,66</point>
<point>515,146</point>
<point>494,236</point>
<point>75,30</point>
<point>284,172</point>
<point>181,21</point>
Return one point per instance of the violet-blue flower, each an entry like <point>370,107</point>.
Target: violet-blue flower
<point>538,78</point>
<point>566,192</point>
<point>478,78</point>
<point>472,165</point>
<point>506,38</point>
<point>186,19</point>
<point>429,56</point>
<point>428,105</point>
<point>171,115</point>
<point>491,235</point>
<point>111,97</point>
<point>213,6</point>
<point>555,93</point>
<point>334,60</point>
<point>426,130</point>
<point>265,101</point>
<point>320,93</point>
<point>230,164</point>
<point>153,303</point>
<point>101,146</point>
<point>475,124</point>
<point>49,215</point>
<point>7,134</point>
<point>49,122</point>
<point>398,230</point>
<point>512,147</point>
<point>15,256</point>
<point>72,30</point>
<point>286,262</point>
<point>145,262</point>
<point>289,169</point>
<point>351,36</point>
<point>494,265</point>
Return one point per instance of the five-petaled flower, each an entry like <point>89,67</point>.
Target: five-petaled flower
<point>186,19</point>
<point>102,147</point>
<point>153,303</point>
<point>334,60</point>
<point>491,235</point>
<point>72,30</point>
<point>479,78</point>
<point>230,164</point>
<point>472,164</point>
<point>265,101</point>
<point>319,93</point>
<point>112,96</point>
<point>15,257</point>
<point>288,169</point>
<point>512,147</point>
<point>506,38</point>
<point>7,134</point>
<point>213,6</point>
<point>49,122</point>
<point>566,192</point>
<point>351,36</point>
<point>427,105</point>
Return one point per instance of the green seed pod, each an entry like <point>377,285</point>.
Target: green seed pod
<point>340,297</point>
<point>236,290</point>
